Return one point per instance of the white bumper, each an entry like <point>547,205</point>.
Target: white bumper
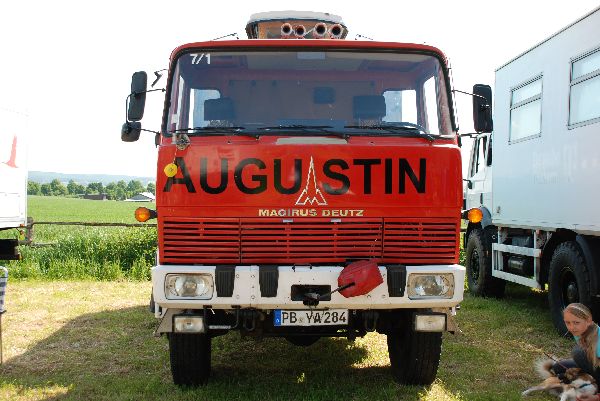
<point>246,293</point>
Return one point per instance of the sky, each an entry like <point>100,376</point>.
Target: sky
<point>67,65</point>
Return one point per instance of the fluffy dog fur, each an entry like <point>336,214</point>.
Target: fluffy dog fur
<point>577,382</point>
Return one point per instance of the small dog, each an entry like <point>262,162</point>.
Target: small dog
<point>574,383</point>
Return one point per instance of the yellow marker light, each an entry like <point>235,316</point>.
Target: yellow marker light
<point>143,214</point>
<point>475,215</point>
<point>170,170</point>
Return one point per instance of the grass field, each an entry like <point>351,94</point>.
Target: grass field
<point>93,341</point>
<point>78,252</point>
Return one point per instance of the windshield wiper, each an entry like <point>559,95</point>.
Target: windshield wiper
<point>306,128</point>
<point>413,130</point>
<point>215,130</point>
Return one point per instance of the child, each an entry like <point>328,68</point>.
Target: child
<point>586,354</point>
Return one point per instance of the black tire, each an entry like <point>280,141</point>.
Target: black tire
<point>190,358</point>
<point>303,341</point>
<point>479,267</point>
<point>568,282</point>
<point>414,356</point>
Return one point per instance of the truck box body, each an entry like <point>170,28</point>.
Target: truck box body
<point>13,170</point>
<point>536,178</point>
<point>549,179</point>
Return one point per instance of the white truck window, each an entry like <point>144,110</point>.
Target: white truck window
<point>400,105</point>
<point>526,110</point>
<point>431,106</point>
<point>584,101</point>
<point>197,99</point>
<point>479,152</point>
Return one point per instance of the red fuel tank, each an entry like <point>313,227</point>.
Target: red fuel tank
<point>364,274</point>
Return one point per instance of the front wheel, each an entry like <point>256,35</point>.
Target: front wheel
<point>190,358</point>
<point>568,282</point>
<point>479,267</point>
<point>414,356</point>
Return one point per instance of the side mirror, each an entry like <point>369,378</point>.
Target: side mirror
<point>130,131</point>
<point>482,108</point>
<point>137,98</point>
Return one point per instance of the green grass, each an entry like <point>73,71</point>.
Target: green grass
<point>93,341</point>
<point>81,252</point>
<point>50,208</point>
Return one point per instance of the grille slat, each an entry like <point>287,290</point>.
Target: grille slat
<point>309,240</point>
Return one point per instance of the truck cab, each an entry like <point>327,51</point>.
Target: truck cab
<point>307,187</point>
<point>478,189</point>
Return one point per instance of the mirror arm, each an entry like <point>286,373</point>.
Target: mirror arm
<point>483,106</point>
<point>149,130</point>
<point>142,129</point>
<point>158,76</point>
<point>469,93</point>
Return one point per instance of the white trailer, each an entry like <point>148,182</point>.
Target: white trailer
<point>534,216</point>
<point>13,178</point>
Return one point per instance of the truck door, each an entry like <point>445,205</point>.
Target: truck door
<point>480,174</point>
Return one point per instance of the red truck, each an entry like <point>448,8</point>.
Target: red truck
<point>306,188</point>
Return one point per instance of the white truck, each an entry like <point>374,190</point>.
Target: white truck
<point>533,216</point>
<point>13,179</point>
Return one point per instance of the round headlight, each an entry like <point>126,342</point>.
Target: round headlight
<point>190,286</point>
<point>431,285</point>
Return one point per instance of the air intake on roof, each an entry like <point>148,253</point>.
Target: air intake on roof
<point>295,25</point>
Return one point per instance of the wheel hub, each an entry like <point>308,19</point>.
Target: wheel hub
<point>475,265</point>
<point>572,293</point>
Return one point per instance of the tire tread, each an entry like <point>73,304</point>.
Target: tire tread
<point>190,358</point>
<point>415,356</point>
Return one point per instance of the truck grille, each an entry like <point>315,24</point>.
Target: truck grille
<point>303,241</point>
<point>421,241</point>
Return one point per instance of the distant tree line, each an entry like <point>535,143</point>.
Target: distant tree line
<point>115,190</point>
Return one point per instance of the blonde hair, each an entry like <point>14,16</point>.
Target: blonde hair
<point>589,339</point>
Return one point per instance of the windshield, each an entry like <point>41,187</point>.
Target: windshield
<point>344,92</point>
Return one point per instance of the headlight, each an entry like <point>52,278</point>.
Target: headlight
<point>199,286</point>
<point>430,286</point>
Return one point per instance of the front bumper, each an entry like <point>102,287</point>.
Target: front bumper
<point>247,289</point>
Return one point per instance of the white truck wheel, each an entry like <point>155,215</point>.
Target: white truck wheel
<point>568,282</point>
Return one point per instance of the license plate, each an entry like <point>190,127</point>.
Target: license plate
<point>330,317</point>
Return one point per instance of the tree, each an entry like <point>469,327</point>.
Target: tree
<point>151,188</point>
<point>45,189</point>
<point>134,187</point>
<point>57,188</point>
<point>94,188</point>
<point>111,191</point>
<point>74,188</point>
<point>33,188</point>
